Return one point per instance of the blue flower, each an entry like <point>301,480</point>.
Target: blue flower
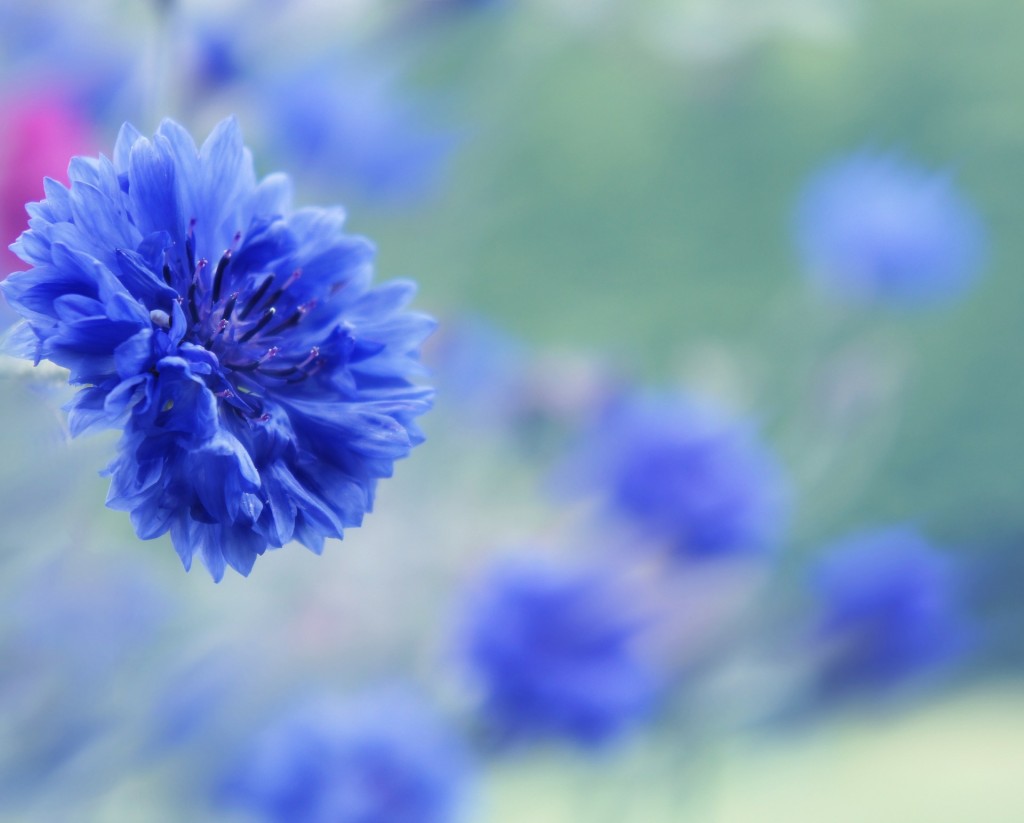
<point>554,652</point>
<point>686,475</point>
<point>889,608</point>
<point>871,227</point>
<point>349,127</point>
<point>481,370</point>
<point>261,382</point>
<point>382,759</point>
<point>216,62</point>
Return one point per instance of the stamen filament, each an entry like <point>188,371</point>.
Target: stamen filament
<point>268,315</point>
<point>255,299</point>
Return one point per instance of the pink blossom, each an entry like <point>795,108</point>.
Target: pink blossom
<point>39,133</point>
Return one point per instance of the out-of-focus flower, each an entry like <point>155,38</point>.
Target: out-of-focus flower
<point>349,128</point>
<point>888,608</point>
<point>872,227</point>
<point>685,475</point>
<point>381,759</point>
<point>39,132</point>
<point>215,62</point>
<point>71,634</point>
<point>480,368</point>
<point>554,653</point>
<point>93,59</point>
<point>493,380</point>
<point>262,383</point>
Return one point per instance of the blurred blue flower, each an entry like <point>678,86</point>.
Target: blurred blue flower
<point>481,370</point>
<point>60,46</point>
<point>216,62</point>
<point>382,759</point>
<point>262,384</point>
<point>872,227</point>
<point>554,653</point>
<point>350,128</point>
<point>687,475</point>
<point>889,607</point>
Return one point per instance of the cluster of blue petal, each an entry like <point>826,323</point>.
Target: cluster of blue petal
<point>871,227</point>
<point>262,383</point>
<point>555,654</point>
<point>381,759</point>
<point>889,609</point>
<point>687,475</point>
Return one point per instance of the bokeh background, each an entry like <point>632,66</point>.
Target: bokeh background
<point>600,200</point>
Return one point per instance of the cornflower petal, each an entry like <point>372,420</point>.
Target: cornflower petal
<point>261,382</point>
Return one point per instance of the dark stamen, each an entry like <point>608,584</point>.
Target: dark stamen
<point>268,315</point>
<point>314,354</point>
<point>257,364</point>
<point>295,275</point>
<point>296,316</point>
<point>190,244</point>
<point>293,320</point>
<point>192,310</point>
<point>167,274</point>
<point>218,276</point>
<point>319,364</point>
<point>255,299</point>
<point>280,372</point>
<point>230,306</point>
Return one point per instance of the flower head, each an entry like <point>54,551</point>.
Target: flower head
<point>367,139</point>
<point>554,653</point>
<point>871,227</point>
<point>480,369</point>
<point>686,475</point>
<point>888,609</point>
<point>261,381</point>
<point>383,759</point>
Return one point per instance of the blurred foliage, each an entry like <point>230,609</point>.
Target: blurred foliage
<point>609,197</point>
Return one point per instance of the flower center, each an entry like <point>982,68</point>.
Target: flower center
<point>242,317</point>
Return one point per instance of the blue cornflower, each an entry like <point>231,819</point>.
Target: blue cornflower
<point>872,227</point>
<point>351,128</point>
<point>216,61</point>
<point>554,652</point>
<point>889,608</point>
<point>381,759</point>
<point>686,475</point>
<point>261,382</point>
